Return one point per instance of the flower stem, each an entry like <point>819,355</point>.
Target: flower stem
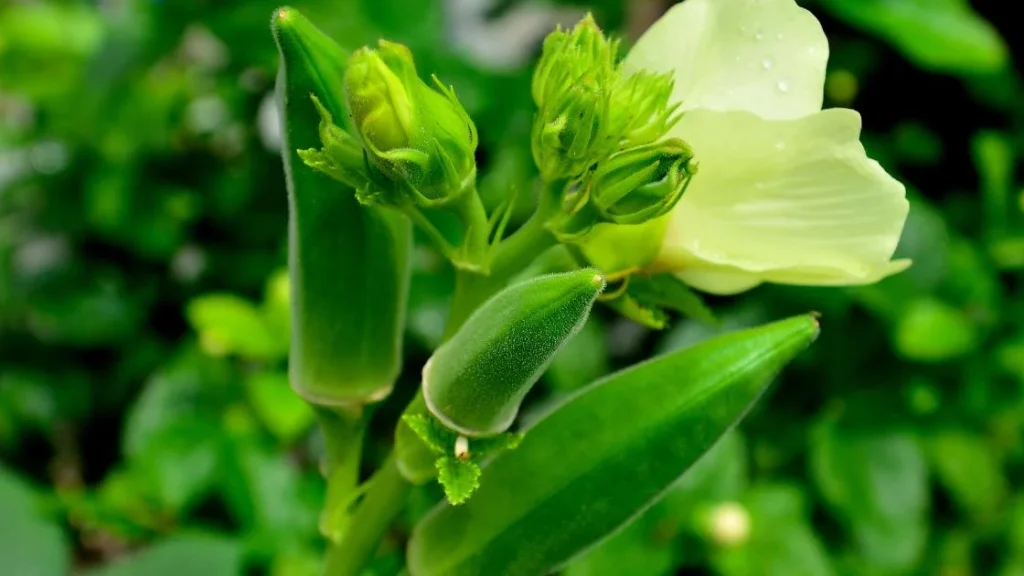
<point>511,257</point>
<point>385,498</point>
<point>343,438</point>
<point>474,247</point>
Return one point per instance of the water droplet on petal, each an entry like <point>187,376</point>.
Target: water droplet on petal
<point>780,145</point>
<point>781,36</point>
<point>758,33</point>
<point>767,64</point>
<point>783,86</point>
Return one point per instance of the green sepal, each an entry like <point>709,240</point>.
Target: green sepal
<point>341,156</point>
<point>457,473</point>
<point>438,438</point>
<point>667,291</point>
<point>640,311</point>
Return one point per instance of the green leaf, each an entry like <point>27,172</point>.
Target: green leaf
<point>183,554</point>
<point>266,494</point>
<point>460,478</point>
<point>969,469</point>
<point>30,544</point>
<point>634,550</point>
<point>995,159</point>
<point>602,456</point>
<point>284,413</point>
<point>641,312</point>
<point>349,264</point>
<point>431,432</point>
<point>228,324</point>
<point>667,291</point>
<point>181,464</point>
<point>185,392</point>
<point>940,35</point>
<point>930,330</point>
<point>647,546</point>
<point>877,482</point>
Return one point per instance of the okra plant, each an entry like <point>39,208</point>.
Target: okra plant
<point>700,161</point>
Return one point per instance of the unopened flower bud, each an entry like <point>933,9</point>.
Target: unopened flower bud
<point>419,139</point>
<point>569,132</point>
<point>641,112</point>
<point>569,55</point>
<point>571,87</point>
<point>642,183</point>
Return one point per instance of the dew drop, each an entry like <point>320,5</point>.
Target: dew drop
<point>767,63</point>
<point>758,35</point>
<point>780,36</point>
<point>783,86</point>
<point>780,145</point>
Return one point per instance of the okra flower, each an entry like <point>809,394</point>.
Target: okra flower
<point>785,193</point>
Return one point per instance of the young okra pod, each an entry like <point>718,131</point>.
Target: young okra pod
<point>349,263</point>
<point>475,382</point>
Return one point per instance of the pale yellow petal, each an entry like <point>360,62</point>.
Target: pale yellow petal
<point>764,56</point>
<point>726,280</point>
<point>796,202</point>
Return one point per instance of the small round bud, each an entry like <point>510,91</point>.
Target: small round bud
<point>729,524</point>
<point>639,184</point>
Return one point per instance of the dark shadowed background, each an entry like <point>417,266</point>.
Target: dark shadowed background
<point>146,423</point>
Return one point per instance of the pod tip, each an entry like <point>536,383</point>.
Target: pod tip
<point>282,14</point>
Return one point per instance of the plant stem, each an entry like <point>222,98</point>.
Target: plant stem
<point>511,257</point>
<point>384,500</point>
<point>473,215</point>
<point>343,438</point>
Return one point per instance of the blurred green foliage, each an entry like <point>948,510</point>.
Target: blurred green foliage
<point>146,424</point>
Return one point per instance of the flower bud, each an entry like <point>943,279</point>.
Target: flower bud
<point>640,109</point>
<point>642,183</point>
<point>419,140</point>
<point>475,382</point>
<point>567,56</point>
<point>569,132</point>
<point>571,87</point>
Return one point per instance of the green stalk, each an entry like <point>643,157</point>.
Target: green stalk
<point>343,431</point>
<point>510,258</point>
<point>384,500</point>
<point>473,252</point>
